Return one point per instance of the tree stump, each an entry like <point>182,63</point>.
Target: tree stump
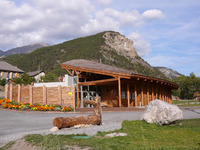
<point>95,119</point>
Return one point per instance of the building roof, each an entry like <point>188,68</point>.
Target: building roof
<point>82,63</point>
<point>34,73</point>
<point>8,67</point>
<point>99,68</point>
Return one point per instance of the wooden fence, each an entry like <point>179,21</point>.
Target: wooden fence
<point>61,95</point>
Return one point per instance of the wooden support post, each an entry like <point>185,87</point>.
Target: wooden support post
<point>44,94</point>
<point>162,97</point>
<point>142,92</point>
<point>147,93</point>
<point>6,91</point>
<point>160,93</point>
<point>170,96</point>
<point>60,95</point>
<point>156,91</point>
<point>152,92</point>
<point>19,94</point>
<point>136,99</point>
<point>11,92</point>
<point>119,88</point>
<point>128,95</point>
<point>30,94</point>
<point>78,91</point>
<point>167,95</point>
<point>74,97</point>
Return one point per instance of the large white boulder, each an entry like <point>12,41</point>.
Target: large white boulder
<point>162,113</point>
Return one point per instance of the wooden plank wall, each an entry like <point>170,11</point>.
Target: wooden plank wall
<point>145,91</point>
<point>61,95</point>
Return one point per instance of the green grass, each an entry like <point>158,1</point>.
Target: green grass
<point>184,103</point>
<point>141,135</point>
<point>8,146</point>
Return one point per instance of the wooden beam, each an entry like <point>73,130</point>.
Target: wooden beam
<point>119,88</point>
<point>78,72</point>
<point>96,71</point>
<point>77,91</point>
<point>128,95</point>
<point>69,72</point>
<point>98,81</point>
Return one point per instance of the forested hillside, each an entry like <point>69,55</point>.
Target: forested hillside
<point>91,48</point>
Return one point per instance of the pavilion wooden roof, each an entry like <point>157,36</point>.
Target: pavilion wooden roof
<point>82,65</point>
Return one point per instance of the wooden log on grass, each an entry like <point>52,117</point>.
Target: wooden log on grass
<point>95,119</point>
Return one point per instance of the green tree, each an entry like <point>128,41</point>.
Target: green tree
<point>24,79</point>
<point>3,82</point>
<point>49,77</point>
<point>187,86</point>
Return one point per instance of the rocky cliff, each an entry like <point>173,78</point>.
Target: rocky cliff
<point>169,72</point>
<point>122,45</point>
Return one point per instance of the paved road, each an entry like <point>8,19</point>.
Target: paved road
<point>14,124</point>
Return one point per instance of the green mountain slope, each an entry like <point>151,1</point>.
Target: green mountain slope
<point>91,47</point>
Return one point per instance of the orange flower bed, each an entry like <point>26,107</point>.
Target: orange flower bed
<point>37,107</point>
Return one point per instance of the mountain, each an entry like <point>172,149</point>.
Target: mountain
<point>1,52</point>
<point>169,72</point>
<point>111,47</point>
<point>24,49</point>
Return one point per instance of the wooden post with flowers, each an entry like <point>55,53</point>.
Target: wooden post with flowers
<point>6,91</point>
<point>94,119</point>
<point>19,93</point>
<point>44,94</point>
<point>30,94</point>
<point>60,94</point>
<point>11,92</point>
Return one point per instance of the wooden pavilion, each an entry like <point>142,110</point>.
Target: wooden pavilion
<point>117,87</point>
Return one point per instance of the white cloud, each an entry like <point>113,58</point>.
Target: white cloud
<point>104,2</point>
<point>125,18</point>
<point>99,23</point>
<point>153,14</point>
<point>60,20</point>
<point>143,46</point>
<point>43,21</point>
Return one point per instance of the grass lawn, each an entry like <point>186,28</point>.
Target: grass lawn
<point>141,135</point>
<point>184,103</point>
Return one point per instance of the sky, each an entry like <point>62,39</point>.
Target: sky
<point>165,33</point>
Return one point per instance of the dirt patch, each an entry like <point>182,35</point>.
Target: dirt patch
<point>22,144</point>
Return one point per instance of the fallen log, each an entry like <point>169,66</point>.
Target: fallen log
<point>95,119</point>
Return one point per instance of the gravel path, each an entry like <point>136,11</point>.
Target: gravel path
<point>14,125</point>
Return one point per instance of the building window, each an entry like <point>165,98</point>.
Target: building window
<point>133,96</point>
<point>123,95</point>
